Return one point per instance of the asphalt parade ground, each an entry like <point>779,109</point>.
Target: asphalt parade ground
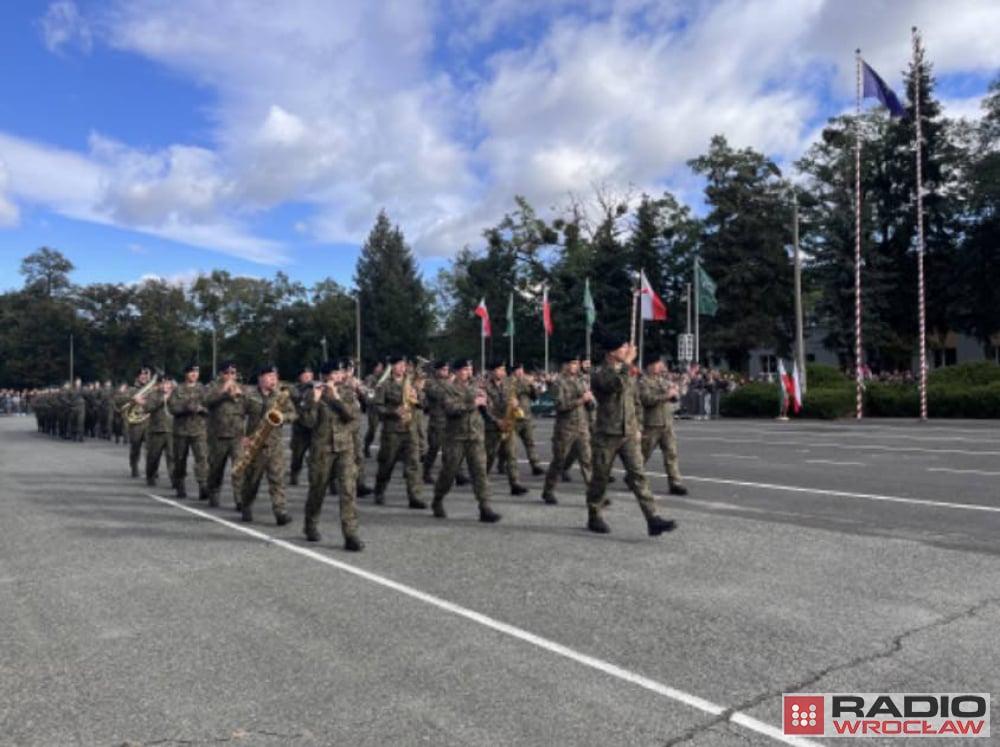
<point>810,557</point>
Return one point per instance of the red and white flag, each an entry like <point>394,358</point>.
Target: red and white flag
<point>790,391</point>
<point>484,314</point>
<point>546,312</point>
<point>796,387</point>
<point>653,309</point>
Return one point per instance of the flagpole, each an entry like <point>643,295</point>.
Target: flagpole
<point>642,328</point>
<point>510,306</point>
<point>482,348</point>
<point>858,383</point>
<point>918,60</point>
<point>697,310</point>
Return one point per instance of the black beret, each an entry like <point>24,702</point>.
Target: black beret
<point>569,358</point>
<point>394,359</point>
<point>612,341</point>
<point>516,365</point>
<point>144,369</point>
<point>329,366</point>
<point>461,363</point>
<point>226,365</point>
<point>268,368</point>
<point>498,363</point>
<point>438,365</point>
<point>306,369</point>
<point>191,367</point>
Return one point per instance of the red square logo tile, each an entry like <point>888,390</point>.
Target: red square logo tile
<point>803,714</point>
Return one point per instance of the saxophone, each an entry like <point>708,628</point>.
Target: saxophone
<point>410,400</point>
<point>132,412</point>
<point>272,419</point>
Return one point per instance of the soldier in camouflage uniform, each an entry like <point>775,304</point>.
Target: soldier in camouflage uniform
<point>270,459</point>
<point>106,408</point>
<point>433,395</point>
<point>187,405</point>
<point>118,401</point>
<point>226,427</point>
<point>498,444</point>
<point>658,395</point>
<point>527,392</point>
<point>464,405</point>
<point>366,402</point>
<point>372,381</point>
<point>136,432</point>
<point>617,434</point>
<point>300,433</point>
<point>329,411</point>
<point>400,440</point>
<point>77,402</point>
<point>571,435</point>
<point>159,430</point>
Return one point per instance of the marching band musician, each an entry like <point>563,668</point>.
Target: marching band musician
<point>658,396</point>
<point>571,434</point>
<point>187,406</point>
<point>159,431</point>
<point>136,432</point>
<point>498,444</point>
<point>330,412</point>
<point>527,392</point>
<point>226,427</point>
<point>396,399</point>
<point>365,399</point>
<point>270,458</point>
<point>464,405</point>
<point>301,436</point>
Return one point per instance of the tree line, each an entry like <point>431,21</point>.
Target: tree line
<point>743,241</point>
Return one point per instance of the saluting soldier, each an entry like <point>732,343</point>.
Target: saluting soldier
<point>464,405</point>
<point>396,399</point>
<point>270,459</point>
<point>226,427</point>
<point>300,433</point>
<point>617,433</point>
<point>136,432</point>
<point>187,405</point>
<point>159,431</point>
<point>499,433</point>
<point>571,434</point>
<point>527,392</point>
<point>329,411</point>
<point>659,396</point>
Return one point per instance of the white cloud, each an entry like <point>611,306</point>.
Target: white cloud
<point>10,214</point>
<point>440,111</point>
<point>62,26</point>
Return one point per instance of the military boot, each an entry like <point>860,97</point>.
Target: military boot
<point>352,543</point>
<point>658,525</point>
<point>487,515</point>
<point>597,524</point>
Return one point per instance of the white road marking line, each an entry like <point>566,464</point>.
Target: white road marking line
<point>852,447</point>
<point>963,471</point>
<point>837,464</point>
<point>693,701</point>
<point>734,456</point>
<point>841,493</point>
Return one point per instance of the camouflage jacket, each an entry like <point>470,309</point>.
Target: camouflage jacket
<point>257,405</point>
<point>465,422</point>
<point>331,420</point>
<point>572,417</point>
<point>227,413</point>
<point>657,409</point>
<point>187,405</point>
<point>160,419</point>
<point>617,402</point>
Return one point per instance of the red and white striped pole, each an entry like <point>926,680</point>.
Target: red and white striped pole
<point>918,66</point>
<point>858,376</point>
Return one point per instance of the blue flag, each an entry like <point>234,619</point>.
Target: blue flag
<point>875,87</point>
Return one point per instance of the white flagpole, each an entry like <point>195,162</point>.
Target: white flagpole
<point>858,381</point>
<point>642,321</point>
<point>511,323</point>
<point>697,310</point>
<point>918,65</point>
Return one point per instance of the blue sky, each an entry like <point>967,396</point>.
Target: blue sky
<point>172,137</point>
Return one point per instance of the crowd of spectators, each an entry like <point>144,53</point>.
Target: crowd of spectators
<point>15,401</point>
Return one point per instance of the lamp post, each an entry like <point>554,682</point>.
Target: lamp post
<point>323,343</point>
<point>357,331</point>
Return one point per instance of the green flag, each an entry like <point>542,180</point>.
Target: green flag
<point>509,332</point>
<point>588,306</point>
<point>707,304</point>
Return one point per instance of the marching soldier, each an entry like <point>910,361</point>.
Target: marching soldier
<point>106,410</point>
<point>464,405</point>
<point>434,393</point>
<point>498,428</point>
<point>159,431</point>
<point>396,400</point>
<point>658,395</point>
<point>270,458</point>
<point>372,381</point>
<point>366,402</point>
<point>77,411</point>
<point>329,410</point>
<point>527,392</point>
<point>617,434</point>
<point>187,405</point>
<point>226,428</point>
<point>571,435</point>
<point>136,432</point>
<point>300,434</point>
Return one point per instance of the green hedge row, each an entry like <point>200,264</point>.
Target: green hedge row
<point>969,390</point>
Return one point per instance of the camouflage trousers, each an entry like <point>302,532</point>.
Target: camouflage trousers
<point>136,437</point>
<point>300,445</point>
<point>604,449</point>
<point>666,441</point>
<point>337,468</point>
<point>525,430</point>
<point>567,447</point>
<point>159,445</point>
<point>221,451</point>
<point>198,446</point>
<point>270,461</point>
<point>474,454</point>
<point>506,450</point>
<point>399,447</point>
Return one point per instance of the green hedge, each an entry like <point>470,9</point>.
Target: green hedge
<point>761,400</point>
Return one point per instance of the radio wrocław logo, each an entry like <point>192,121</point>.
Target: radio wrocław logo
<point>886,714</point>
